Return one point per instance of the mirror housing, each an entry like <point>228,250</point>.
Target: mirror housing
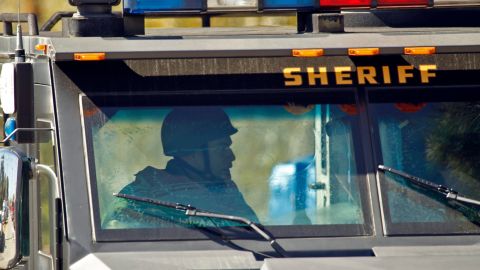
<point>16,94</point>
<point>24,101</point>
<point>15,171</point>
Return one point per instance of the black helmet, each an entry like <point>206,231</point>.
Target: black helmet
<point>191,128</point>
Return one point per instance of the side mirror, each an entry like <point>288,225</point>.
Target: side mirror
<point>14,175</point>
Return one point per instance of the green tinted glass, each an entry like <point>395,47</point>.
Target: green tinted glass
<point>277,165</point>
<point>436,141</point>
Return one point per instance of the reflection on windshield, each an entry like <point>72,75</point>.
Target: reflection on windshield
<point>274,165</point>
<point>435,141</point>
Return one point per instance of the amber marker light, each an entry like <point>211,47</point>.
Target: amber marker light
<point>419,50</point>
<point>89,56</point>
<point>41,47</point>
<point>307,52</point>
<point>363,51</point>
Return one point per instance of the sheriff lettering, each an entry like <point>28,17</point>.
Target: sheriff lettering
<point>361,75</point>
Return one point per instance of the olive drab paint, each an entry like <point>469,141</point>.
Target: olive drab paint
<point>363,75</point>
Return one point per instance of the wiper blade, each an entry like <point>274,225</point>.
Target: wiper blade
<point>193,211</point>
<point>466,206</point>
<point>446,191</point>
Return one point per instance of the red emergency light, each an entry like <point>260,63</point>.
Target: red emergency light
<point>368,3</point>
<point>410,107</point>
<point>350,109</point>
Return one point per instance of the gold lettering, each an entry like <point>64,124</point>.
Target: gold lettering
<point>402,73</point>
<point>321,75</point>
<point>425,74</point>
<point>386,75</point>
<point>341,77</point>
<point>366,74</point>
<point>290,78</point>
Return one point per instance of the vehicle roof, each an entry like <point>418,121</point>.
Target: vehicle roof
<point>383,31</point>
<point>172,43</point>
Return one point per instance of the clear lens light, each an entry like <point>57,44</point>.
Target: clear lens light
<point>456,2</point>
<point>231,3</point>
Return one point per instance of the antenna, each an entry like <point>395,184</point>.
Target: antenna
<point>18,11</point>
<point>19,51</point>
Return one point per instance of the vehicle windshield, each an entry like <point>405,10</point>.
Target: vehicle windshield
<point>278,165</point>
<point>299,170</point>
<point>437,141</point>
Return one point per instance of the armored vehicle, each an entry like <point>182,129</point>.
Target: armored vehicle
<point>348,141</point>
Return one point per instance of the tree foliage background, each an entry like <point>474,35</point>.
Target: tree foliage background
<point>43,8</point>
<point>456,140</point>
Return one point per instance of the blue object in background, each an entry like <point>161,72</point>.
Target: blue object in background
<point>10,126</point>
<point>276,4</point>
<point>291,199</point>
<point>145,6</point>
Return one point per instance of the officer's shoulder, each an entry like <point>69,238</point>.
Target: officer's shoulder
<point>149,171</point>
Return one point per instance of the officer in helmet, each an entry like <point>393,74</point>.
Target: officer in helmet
<point>198,140</point>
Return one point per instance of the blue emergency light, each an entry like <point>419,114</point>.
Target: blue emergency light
<point>146,6</point>
<point>9,127</point>
<point>152,6</point>
<point>289,4</point>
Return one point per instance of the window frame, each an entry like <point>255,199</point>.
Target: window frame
<point>277,97</point>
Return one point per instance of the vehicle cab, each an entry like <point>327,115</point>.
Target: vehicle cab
<point>350,140</point>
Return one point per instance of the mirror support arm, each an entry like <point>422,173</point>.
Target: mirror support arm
<point>56,206</point>
<point>51,176</point>
<point>24,129</point>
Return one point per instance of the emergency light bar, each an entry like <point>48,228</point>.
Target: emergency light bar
<point>153,6</point>
<point>160,6</point>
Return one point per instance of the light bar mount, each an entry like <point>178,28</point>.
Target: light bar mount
<point>94,18</point>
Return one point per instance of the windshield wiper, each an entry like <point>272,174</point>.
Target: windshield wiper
<point>446,191</point>
<point>193,211</point>
<point>466,206</point>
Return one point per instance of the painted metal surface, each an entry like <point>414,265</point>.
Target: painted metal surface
<point>426,262</point>
<point>280,46</point>
<point>196,55</point>
<point>70,86</point>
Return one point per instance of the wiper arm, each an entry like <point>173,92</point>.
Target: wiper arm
<point>193,211</point>
<point>446,191</point>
